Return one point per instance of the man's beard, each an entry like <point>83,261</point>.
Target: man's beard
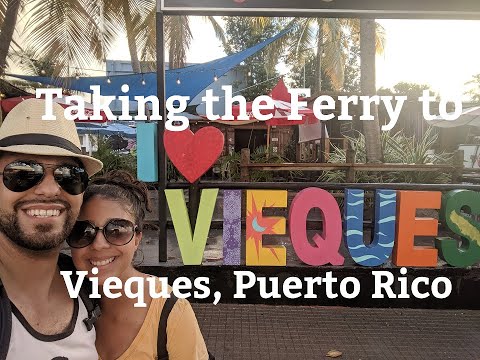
<point>42,238</point>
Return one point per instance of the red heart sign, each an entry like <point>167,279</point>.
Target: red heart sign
<point>193,154</point>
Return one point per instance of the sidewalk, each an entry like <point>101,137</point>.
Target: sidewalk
<point>259,332</point>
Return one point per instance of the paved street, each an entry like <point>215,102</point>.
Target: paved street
<point>260,332</point>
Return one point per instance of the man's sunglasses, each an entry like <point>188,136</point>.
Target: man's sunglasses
<point>117,232</point>
<point>20,176</point>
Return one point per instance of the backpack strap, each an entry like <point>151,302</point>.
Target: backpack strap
<point>65,263</point>
<point>5,322</point>
<point>162,353</point>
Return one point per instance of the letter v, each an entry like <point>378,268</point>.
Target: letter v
<point>67,277</point>
<point>191,247</point>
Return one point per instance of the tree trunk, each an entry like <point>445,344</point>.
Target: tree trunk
<point>171,55</point>
<point>6,31</point>
<point>371,128</point>
<point>132,44</point>
<point>318,83</point>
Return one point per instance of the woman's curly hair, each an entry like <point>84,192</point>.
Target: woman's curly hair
<point>121,186</point>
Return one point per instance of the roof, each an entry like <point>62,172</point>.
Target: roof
<point>187,81</point>
<point>9,90</point>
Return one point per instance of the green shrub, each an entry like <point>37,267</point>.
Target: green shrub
<point>114,159</point>
<point>397,149</point>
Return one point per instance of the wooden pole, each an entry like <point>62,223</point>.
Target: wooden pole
<point>268,141</point>
<point>244,162</point>
<point>457,172</point>
<point>193,203</point>
<point>350,159</point>
<point>1,112</point>
<point>162,157</point>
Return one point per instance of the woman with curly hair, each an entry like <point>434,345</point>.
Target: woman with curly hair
<point>106,236</point>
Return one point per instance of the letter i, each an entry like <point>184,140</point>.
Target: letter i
<point>232,226</point>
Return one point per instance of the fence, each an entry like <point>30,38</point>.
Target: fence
<point>350,167</point>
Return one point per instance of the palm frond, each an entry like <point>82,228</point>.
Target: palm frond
<point>3,8</point>
<point>178,37</point>
<point>380,39</point>
<point>62,31</point>
<point>217,28</point>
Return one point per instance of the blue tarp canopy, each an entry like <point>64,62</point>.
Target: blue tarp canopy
<point>193,79</point>
<point>108,130</point>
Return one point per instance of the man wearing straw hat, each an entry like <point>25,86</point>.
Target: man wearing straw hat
<point>43,177</point>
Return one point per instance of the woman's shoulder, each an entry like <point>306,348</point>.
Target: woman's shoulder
<point>163,292</point>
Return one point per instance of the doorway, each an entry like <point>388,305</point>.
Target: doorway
<point>250,138</point>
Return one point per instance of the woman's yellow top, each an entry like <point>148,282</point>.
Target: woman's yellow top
<point>184,339</point>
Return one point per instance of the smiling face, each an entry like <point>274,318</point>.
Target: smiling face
<point>111,260</point>
<point>41,217</point>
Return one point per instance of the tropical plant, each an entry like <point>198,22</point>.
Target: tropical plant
<point>172,172</point>
<point>263,155</point>
<point>397,149</point>
<point>474,91</point>
<point>230,166</point>
<point>113,159</point>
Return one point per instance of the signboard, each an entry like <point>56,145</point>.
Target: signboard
<point>412,9</point>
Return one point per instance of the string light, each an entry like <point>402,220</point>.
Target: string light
<point>42,72</point>
<point>284,56</point>
<point>178,81</point>
<point>108,80</point>
<point>143,80</point>
<point>77,75</point>
<point>249,73</point>
<point>215,78</point>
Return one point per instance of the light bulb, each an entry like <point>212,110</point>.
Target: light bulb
<point>215,78</point>
<point>109,81</point>
<point>178,81</point>
<point>143,82</point>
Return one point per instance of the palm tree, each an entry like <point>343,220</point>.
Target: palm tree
<point>371,128</point>
<point>329,36</point>
<point>332,39</point>
<point>69,32</point>
<point>74,33</point>
<point>128,20</point>
<point>178,37</point>
<point>9,10</point>
<point>66,31</point>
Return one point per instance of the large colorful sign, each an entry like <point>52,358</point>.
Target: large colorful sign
<point>437,9</point>
<point>395,222</point>
<point>395,227</point>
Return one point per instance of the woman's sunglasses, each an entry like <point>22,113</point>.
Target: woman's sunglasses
<point>20,176</point>
<point>117,232</point>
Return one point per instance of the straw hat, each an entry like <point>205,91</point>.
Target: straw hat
<point>23,131</point>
